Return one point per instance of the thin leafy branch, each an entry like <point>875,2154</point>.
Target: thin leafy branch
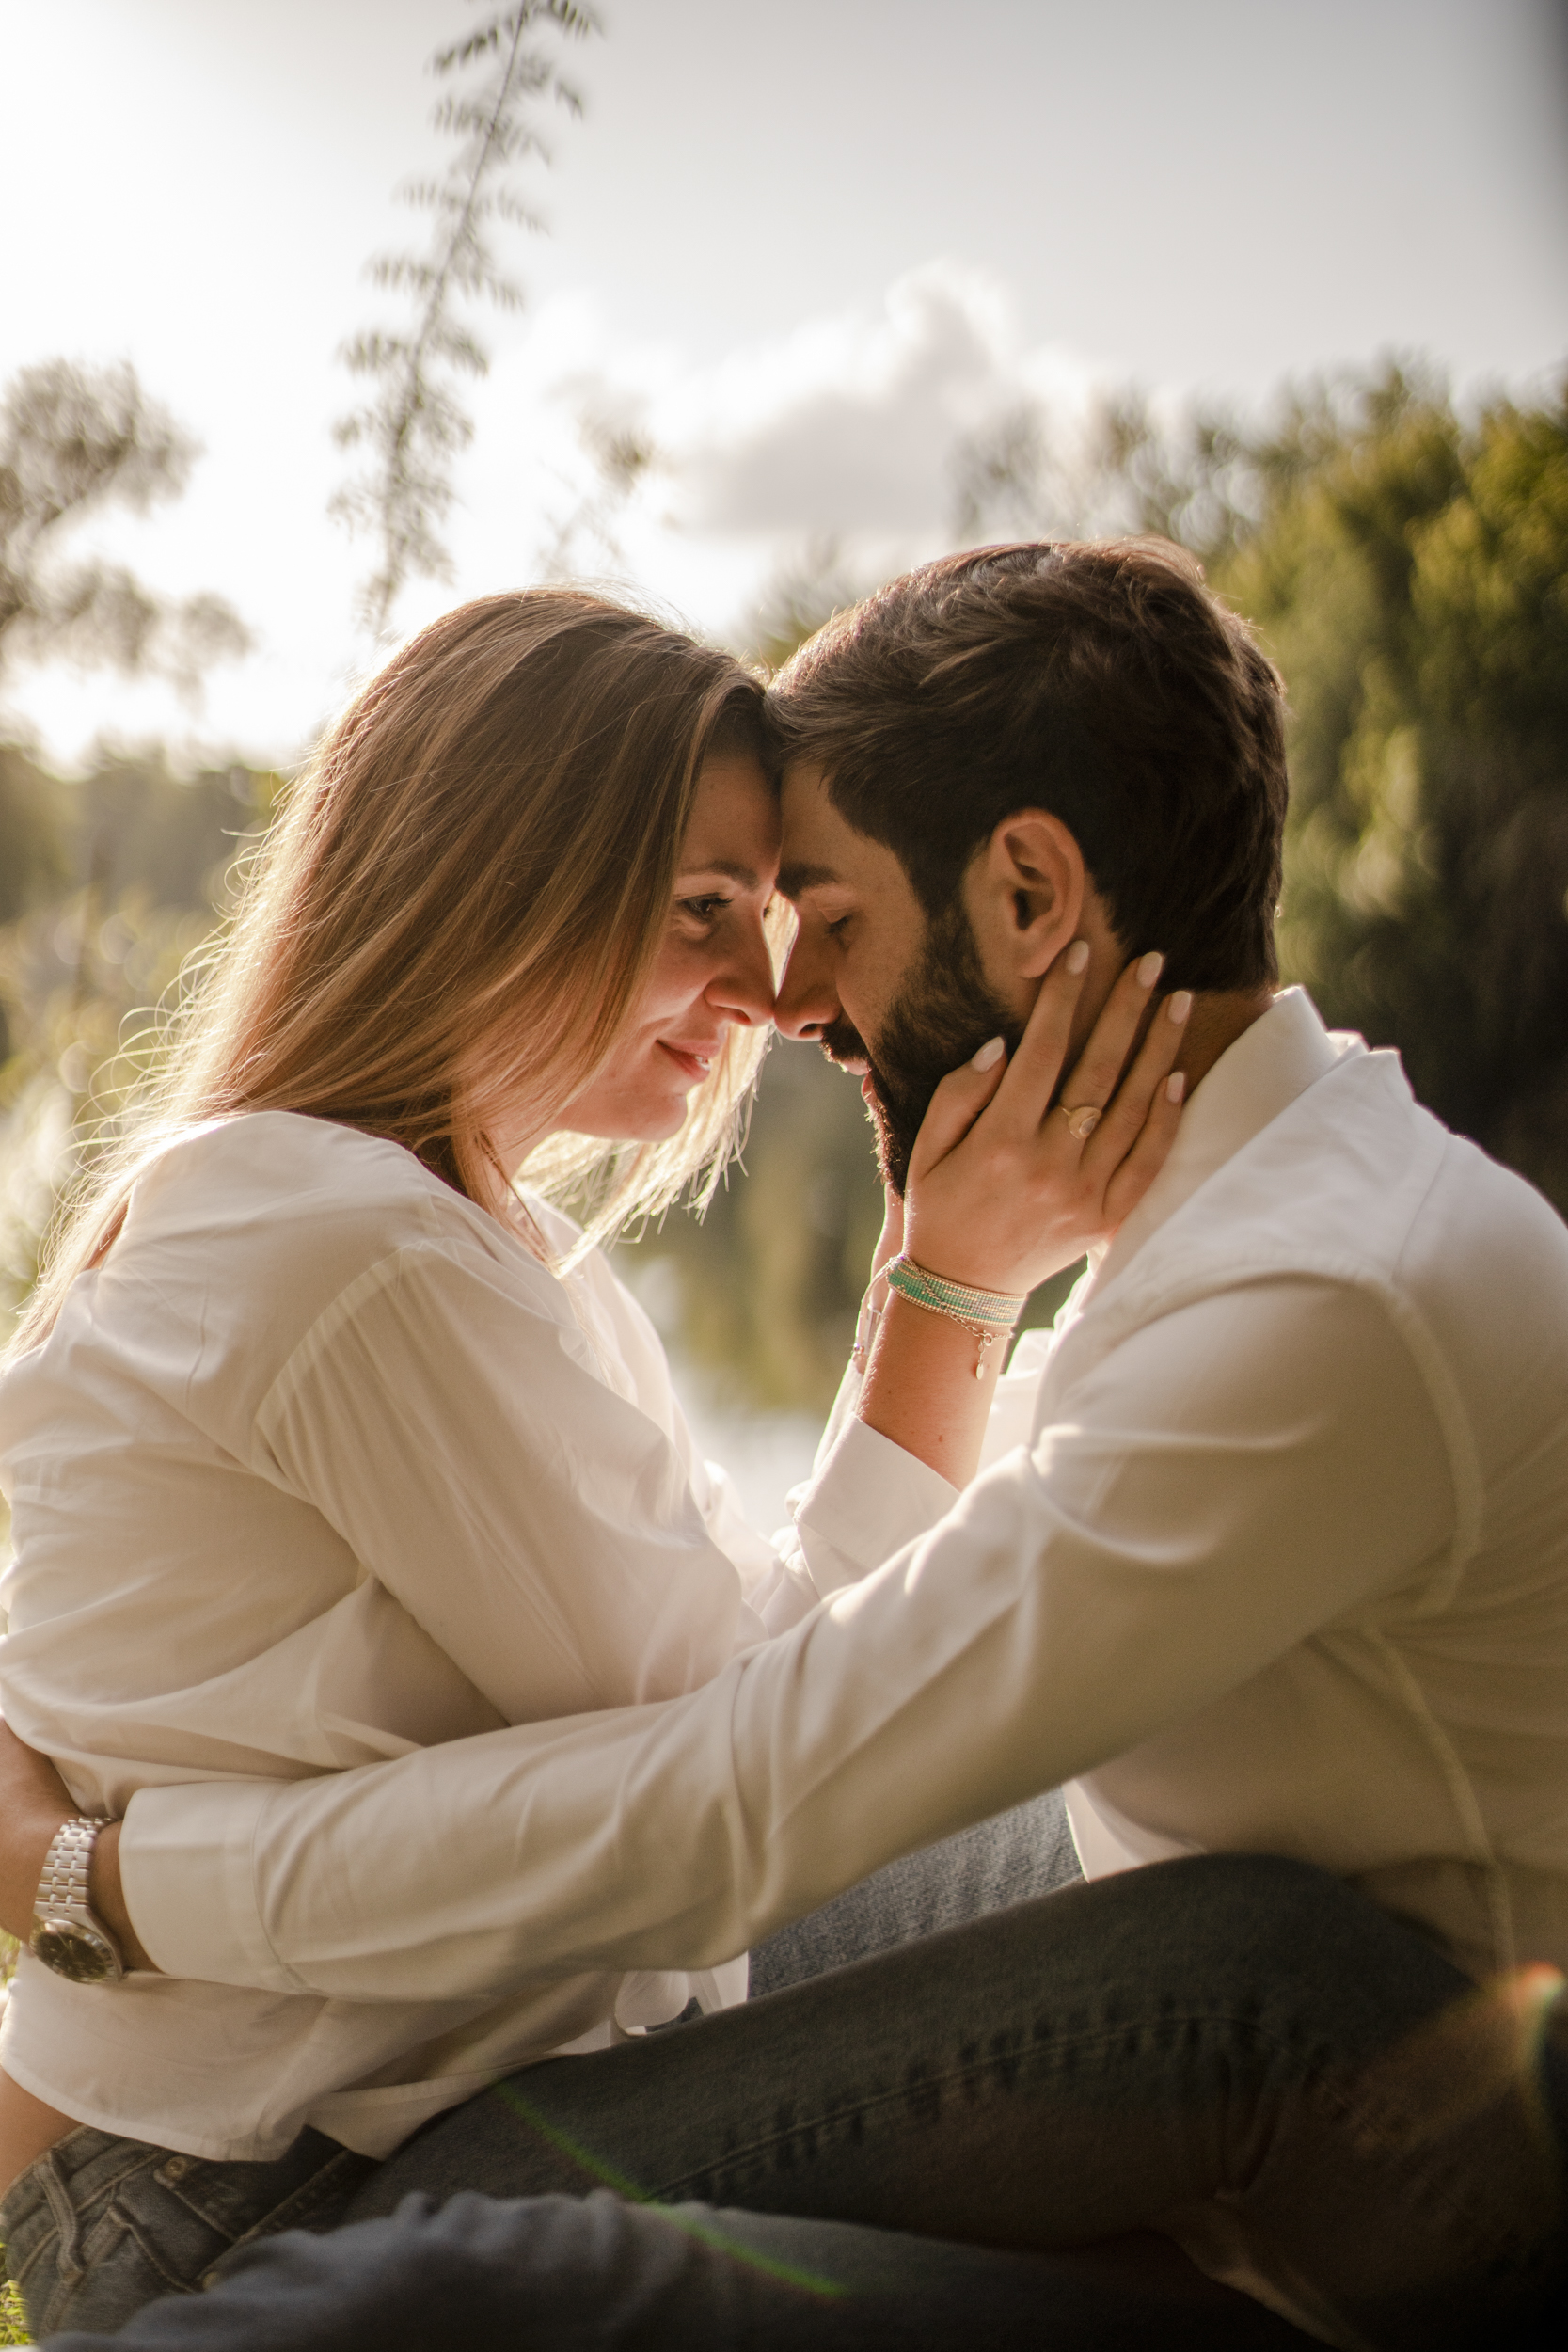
<point>415,424</point>
<point>623,458</point>
<point>74,440</point>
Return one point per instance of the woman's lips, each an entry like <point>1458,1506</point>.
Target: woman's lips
<point>691,1063</point>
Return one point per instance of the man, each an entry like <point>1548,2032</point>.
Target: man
<point>1276,1565</point>
<point>1319,1398</point>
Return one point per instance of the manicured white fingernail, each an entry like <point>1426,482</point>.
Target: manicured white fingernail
<point>1176,1086</point>
<point>1150,968</point>
<point>1179,1006</point>
<point>989,1054</point>
<point>1077,956</point>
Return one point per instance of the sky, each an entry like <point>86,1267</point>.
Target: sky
<point>802,251</point>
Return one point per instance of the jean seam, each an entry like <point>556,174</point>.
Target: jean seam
<point>147,2247</point>
<point>292,2212</point>
<point>45,2166</point>
<point>1450,2203</point>
<point>964,2071</point>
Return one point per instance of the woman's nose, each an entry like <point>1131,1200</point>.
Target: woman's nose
<point>744,989</point>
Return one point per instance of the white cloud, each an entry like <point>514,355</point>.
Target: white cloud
<point>844,428</point>
<point>841,429</point>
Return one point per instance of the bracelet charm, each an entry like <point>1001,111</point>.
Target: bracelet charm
<point>987,1315</point>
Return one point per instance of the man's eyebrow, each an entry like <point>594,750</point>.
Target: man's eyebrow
<point>793,880</point>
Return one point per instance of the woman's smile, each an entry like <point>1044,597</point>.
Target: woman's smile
<point>693,1061</point>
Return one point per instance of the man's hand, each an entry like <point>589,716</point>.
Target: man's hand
<point>33,1800</point>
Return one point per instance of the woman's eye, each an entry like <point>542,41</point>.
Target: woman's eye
<point>703,910</point>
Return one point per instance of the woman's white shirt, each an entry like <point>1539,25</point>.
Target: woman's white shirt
<point>322,1466</point>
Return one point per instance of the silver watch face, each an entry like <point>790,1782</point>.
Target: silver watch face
<point>72,1948</point>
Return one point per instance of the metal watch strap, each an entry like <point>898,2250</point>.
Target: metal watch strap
<point>68,1864</point>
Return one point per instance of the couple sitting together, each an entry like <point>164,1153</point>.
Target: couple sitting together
<point>434,1739</point>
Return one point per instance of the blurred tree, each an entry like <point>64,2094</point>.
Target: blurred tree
<point>1119,466</point>
<point>770,1280</point>
<point>133,869</point>
<point>74,440</point>
<point>1407,568</point>
<point>1410,572</point>
<point>415,424</point>
<point>801,596</point>
<point>622,458</point>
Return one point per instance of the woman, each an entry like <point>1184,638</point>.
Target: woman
<point>325,1441</point>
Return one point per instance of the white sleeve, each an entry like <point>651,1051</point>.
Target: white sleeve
<point>1229,1480</point>
<point>865,1499</point>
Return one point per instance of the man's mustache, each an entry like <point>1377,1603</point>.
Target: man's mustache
<point>842,1042</point>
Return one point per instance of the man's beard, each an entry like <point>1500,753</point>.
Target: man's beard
<point>943,1013</point>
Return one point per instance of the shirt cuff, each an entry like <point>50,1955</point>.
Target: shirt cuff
<point>866,1500</point>
<point>188,1878</point>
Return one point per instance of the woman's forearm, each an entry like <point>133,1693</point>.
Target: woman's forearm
<point>921,1390</point>
<point>33,1800</point>
<point>23,1851</point>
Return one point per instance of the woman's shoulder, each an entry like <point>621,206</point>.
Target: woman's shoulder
<point>286,1167</point>
<point>275,1205</point>
<point>242,1234</point>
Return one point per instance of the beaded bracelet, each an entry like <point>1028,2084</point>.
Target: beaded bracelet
<point>985,1314</point>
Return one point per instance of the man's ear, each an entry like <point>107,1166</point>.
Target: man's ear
<point>1025,891</point>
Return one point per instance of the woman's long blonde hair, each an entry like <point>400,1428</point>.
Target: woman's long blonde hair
<point>473,874</point>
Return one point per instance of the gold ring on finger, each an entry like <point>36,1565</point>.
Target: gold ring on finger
<point>1082,1123</point>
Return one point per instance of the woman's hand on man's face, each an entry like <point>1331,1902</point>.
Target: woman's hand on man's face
<point>1004,1190</point>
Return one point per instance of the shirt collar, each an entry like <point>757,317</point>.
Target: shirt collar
<point>1273,1062</point>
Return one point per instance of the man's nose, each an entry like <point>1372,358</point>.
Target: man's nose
<point>807,1001</point>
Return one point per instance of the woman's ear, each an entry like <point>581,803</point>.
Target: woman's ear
<point>1025,892</point>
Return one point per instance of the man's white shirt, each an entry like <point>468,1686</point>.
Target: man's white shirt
<point>1269,1554</point>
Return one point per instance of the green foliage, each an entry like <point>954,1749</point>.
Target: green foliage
<point>147,858</point>
<point>13,2326</point>
<point>771,1281</point>
<point>797,602</point>
<point>1410,574</point>
<point>1120,467</point>
<point>415,424</point>
<point>74,440</point>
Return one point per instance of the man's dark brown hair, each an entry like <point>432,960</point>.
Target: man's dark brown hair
<point>1102,683</point>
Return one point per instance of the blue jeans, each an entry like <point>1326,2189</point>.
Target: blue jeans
<point>102,2225</point>
<point>567,2274</point>
<point>1241,2050</point>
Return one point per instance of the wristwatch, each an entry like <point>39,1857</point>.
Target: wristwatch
<point>67,1934</point>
